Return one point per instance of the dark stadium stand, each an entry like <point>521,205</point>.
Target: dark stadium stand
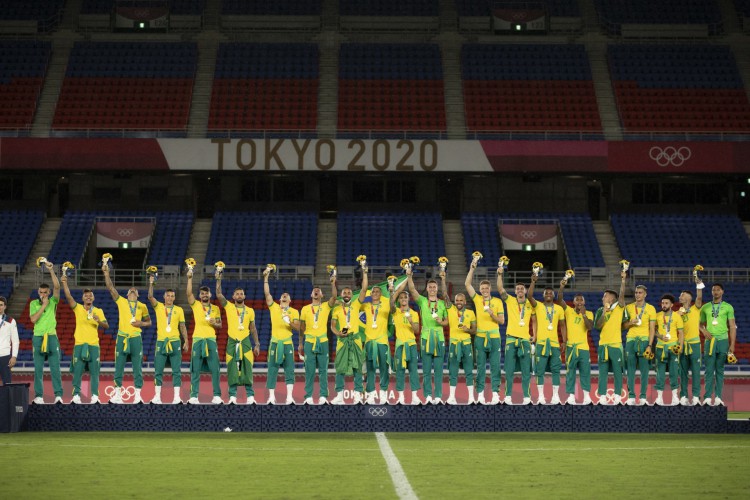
<point>20,228</point>
<point>275,8</point>
<point>386,87</point>
<point>528,88</point>
<point>715,241</point>
<point>258,238</point>
<point>559,8</point>
<point>127,85</point>
<point>24,65</point>
<point>373,234</point>
<point>678,87</point>
<point>168,246</point>
<point>388,8</point>
<point>261,86</point>
<point>176,7</point>
<point>46,12</point>
<point>615,13</point>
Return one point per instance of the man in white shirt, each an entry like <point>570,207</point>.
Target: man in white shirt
<point>8,342</point>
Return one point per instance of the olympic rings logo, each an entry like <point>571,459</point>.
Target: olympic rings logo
<point>377,412</point>
<point>609,397</point>
<point>125,231</point>
<point>127,393</point>
<point>670,155</point>
<point>528,234</point>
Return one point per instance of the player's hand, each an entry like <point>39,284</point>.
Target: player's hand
<point>45,301</point>
<point>473,265</point>
<point>50,266</point>
<point>708,335</point>
<point>12,363</point>
<point>95,317</point>
<point>266,272</point>
<point>256,350</point>
<point>301,350</point>
<point>623,275</point>
<point>185,347</point>
<point>441,274</point>
<point>63,279</point>
<point>217,275</point>
<point>150,280</point>
<point>189,274</point>
<point>105,269</point>
<point>332,280</point>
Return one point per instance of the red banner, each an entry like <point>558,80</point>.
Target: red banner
<point>672,157</point>
<point>541,236</point>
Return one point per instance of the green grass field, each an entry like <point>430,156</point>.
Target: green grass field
<point>348,465</point>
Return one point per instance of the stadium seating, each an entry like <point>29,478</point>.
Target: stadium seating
<point>385,87</point>
<point>47,13</point>
<point>24,65</point>
<point>168,246</point>
<point>275,8</point>
<point>678,88</point>
<point>615,13</point>
<point>20,228</point>
<point>480,232</point>
<point>524,87</point>
<point>714,241</point>
<point>373,234</point>
<point>257,238</point>
<point>176,7</point>
<point>127,85</point>
<point>261,86</point>
<point>556,8</point>
<point>388,8</point>
<point>743,7</point>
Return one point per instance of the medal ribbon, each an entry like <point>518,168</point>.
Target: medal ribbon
<point>521,309</point>
<point>667,324</point>
<point>374,312</point>
<point>643,309</point>
<point>549,311</point>
<point>168,313</point>
<point>315,313</point>
<point>133,308</point>
<point>715,310</point>
<point>240,317</point>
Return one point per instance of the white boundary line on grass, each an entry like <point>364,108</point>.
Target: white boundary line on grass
<point>398,476</point>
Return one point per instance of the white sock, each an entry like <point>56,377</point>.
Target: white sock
<point>400,394</point>
<point>453,391</point>
<point>555,389</point>
<point>586,394</point>
<point>157,391</point>
<point>289,390</point>
<point>414,395</point>
<point>659,394</point>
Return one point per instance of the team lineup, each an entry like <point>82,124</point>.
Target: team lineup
<point>540,336</point>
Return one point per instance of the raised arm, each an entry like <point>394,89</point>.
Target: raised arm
<point>219,296</point>
<point>266,288</point>
<point>621,297</point>
<point>530,293</point>
<point>334,293</point>
<point>108,282</point>
<point>444,289</point>
<point>560,302</point>
<point>395,293</point>
<point>412,289</point>
<point>151,298</point>
<point>469,278</point>
<point>189,288</point>
<point>68,296</point>
<point>55,281</point>
<point>698,294</point>
<point>363,292</point>
<point>500,286</point>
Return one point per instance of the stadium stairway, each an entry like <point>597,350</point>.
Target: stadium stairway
<point>328,84</point>
<point>605,97</point>
<point>606,238</point>
<point>204,80</point>
<point>455,117</point>
<point>27,281</point>
<point>327,233</point>
<point>45,112</point>
<point>455,251</point>
<point>729,19</point>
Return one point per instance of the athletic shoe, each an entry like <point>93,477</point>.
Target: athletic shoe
<point>370,398</point>
<point>480,398</point>
<point>357,398</point>
<point>428,400</point>
<point>176,400</point>
<point>555,399</point>
<point>603,400</point>
<point>451,400</point>
<point>250,400</point>
<point>94,399</point>
<point>618,399</point>
<point>707,402</point>
<point>684,401</point>
<point>718,402</point>
<point>339,399</point>
<point>659,401</point>
<point>232,400</point>
<point>271,399</point>
<point>76,399</point>
<point>58,399</point>
<point>571,400</point>
<point>526,401</point>
<point>383,397</point>
<point>675,398</point>
<point>437,401</point>
<point>308,401</point>
<point>38,400</point>
<point>193,401</point>
<point>400,400</point>
<point>631,402</point>
<point>586,400</point>
<point>217,400</point>
<point>695,401</point>
<point>116,397</point>
<point>508,400</point>
<point>415,401</point>
<point>495,399</point>
<point>322,400</point>
<point>289,400</point>
<point>541,401</point>
<point>137,398</point>
<point>156,400</point>
<point>643,401</point>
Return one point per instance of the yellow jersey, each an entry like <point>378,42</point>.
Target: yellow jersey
<point>170,317</point>
<point>645,313</point>
<point>347,316</point>
<point>519,317</point>
<point>485,323</point>
<point>87,329</point>
<point>547,319</point>
<point>669,323</point>
<point>203,329</point>
<point>402,324</point>
<point>577,332</point>
<point>376,324</point>
<point>315,319</point>
<point>611,332</point>
<point>239,319</point>
<point>465,317</point>
<point>691,322</point>
<point>281,331</point>
<point>128,310</point>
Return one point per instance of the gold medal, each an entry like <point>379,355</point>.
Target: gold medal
<point>521,323</point>
<point>715,322</point>
<point>132,320</point>
<point>168,328</point>
<point>549,327</point>
<point>374,325</point>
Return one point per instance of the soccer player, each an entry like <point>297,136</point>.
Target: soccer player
<point>548,347</point>
<point>9,343</point>
<point>345,324</point>
<point>517,341</point>
<point>433,314</point>
<point>691,355</point>
<point>720,331</point>
<point>578,323</point>
<point>313,344</point>
<point>377,348</point>
<point>669,334</point>
<point>170,319</point>
<point>608,320</point>
<point>487,344</point>
<point>45,344</point>
<point>406,322</point>
<point>463,324</point>
<point>133,316</point>
<point>89,320</point>
<point>641,326</point>
<point>205,354</point>
<point>284,319</point>
<point>240,354</point>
